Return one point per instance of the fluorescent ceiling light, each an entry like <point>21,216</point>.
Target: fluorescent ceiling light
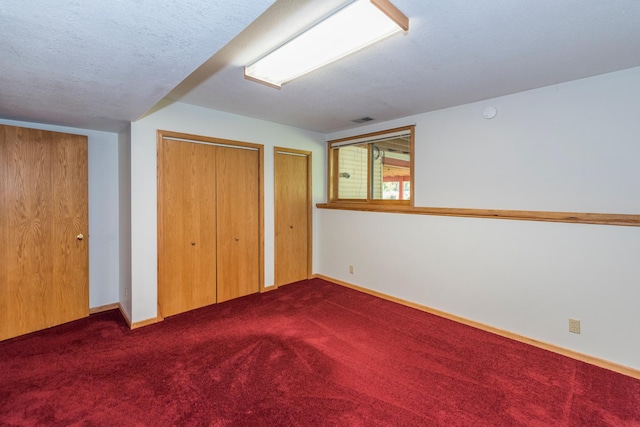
<point>357,25</point>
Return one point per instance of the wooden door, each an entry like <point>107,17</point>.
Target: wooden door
<point>186,226</point>
<point>44,257</point>
<point>292,181</point>
<point>238,222</point>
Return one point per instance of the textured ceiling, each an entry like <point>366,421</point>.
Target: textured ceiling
<point>99,65</point>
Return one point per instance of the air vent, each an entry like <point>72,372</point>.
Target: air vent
<point>362,120</point>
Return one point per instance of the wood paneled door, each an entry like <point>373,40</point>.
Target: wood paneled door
<point>292,200</point>
<point>44,256</point>
<point>209,221</point>
<point>186,218</point>
<point>238,222</point>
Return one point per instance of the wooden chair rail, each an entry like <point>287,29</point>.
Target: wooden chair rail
<point>569,217</point>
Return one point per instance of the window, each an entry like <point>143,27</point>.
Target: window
<point>374,168</point>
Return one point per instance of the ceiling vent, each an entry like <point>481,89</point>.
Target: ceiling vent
<point>362,120</point>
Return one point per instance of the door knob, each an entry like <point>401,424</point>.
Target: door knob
<point>80,237</point>
<point>237,239</point>
<point>291,227</point>
<point>193,243</point>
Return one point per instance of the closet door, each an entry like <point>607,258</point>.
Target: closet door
<point>186,226</point>
<point>238,222</point>
<point>292,181</point>
<point>44,262</point>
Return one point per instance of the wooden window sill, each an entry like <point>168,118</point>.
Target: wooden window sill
<point>569,217</point>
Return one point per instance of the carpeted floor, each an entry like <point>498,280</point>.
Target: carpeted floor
<point>308,354</point>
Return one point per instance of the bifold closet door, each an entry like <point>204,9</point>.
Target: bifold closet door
<point>44,255</point>
<point>238,222</point>
<point>186,226</point>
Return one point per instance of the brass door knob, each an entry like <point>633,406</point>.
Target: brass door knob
<point>80,237</point>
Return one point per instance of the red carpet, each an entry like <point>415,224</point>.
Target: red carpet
<point>308,354</point>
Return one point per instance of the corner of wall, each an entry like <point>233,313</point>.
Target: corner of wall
<point>124,218</point>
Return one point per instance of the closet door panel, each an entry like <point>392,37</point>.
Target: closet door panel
<point>186,226</point>
<point>237,172</point>
<point>27,215</point>
<point>204,225</point>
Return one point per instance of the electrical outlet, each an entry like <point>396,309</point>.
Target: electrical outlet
<point>351,269</point>
<point>574,326</point>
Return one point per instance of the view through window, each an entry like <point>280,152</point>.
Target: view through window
<point>372,168</point>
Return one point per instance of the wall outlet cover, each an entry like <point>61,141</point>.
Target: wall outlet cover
<point>574,326</point>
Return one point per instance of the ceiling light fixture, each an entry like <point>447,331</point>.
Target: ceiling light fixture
<point>351,28</point>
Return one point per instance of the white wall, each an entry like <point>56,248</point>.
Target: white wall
<point>103,210</point>
<point>201,121</point>
<point>569,147</point>
<point>124,190</point>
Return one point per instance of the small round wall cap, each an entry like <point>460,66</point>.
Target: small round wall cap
<point>489,112</point>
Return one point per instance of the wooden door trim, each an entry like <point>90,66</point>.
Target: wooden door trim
<point>308,155</point>
<point>187,137</point>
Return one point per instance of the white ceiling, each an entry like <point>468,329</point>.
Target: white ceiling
<point>98,65</point>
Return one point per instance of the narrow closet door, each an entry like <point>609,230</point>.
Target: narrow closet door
<point>292,181</point>
<point>238,222</point>
<point>44,258</point>
<point>186,226</point>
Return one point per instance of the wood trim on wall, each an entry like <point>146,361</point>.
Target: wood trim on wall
<point>140,324</point>
<point>630,220</point>
<point>189,137</point>
<point>102,308</point>
<point>309,214</point>
<point>132,325</point>
<point>261,287</point>
<point>621,369</point>
<point>118,306</point>
<point>124,315</point>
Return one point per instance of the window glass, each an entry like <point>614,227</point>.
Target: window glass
<point>352,176</point>
<point>391,169</point>
<point>372,168</point>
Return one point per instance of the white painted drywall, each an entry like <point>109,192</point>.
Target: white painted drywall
<point>570,147</point>
<point>103,210</point>
<point>124,190</point>
<point>201,121</point>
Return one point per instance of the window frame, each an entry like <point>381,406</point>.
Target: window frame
<point>369,139</point>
